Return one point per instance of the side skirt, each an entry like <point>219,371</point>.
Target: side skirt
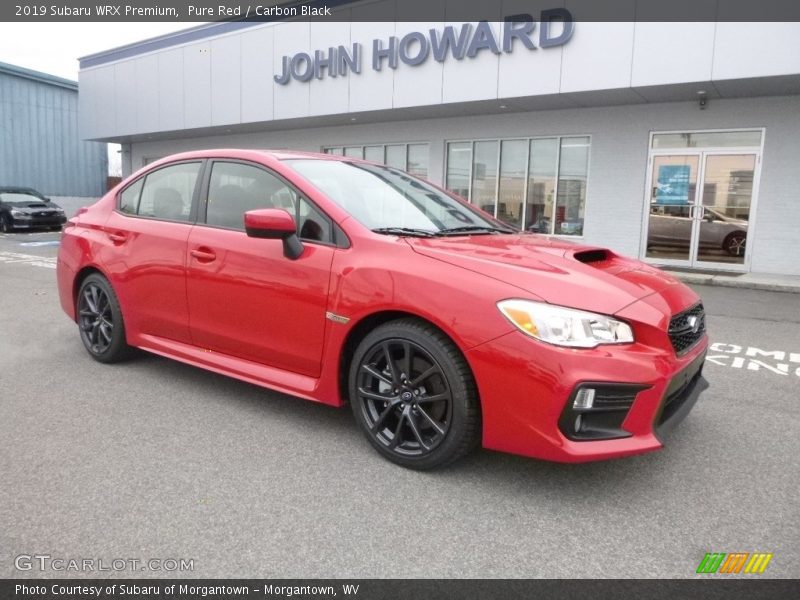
<point>279,380</point>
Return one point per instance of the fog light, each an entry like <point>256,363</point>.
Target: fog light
<point>578,423</point>
<point>584,400</point>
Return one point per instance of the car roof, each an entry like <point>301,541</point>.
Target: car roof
<point>245,153</point>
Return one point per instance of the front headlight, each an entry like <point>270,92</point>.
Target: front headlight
<point>18,213</point>
<point>565,326</point>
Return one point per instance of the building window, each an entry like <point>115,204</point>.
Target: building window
<point>412,158</point>
<point>536,184</point>
<point>708,139</point>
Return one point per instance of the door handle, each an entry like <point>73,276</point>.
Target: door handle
<point>204,255</point>
<point>117,237</point>
<point>701,212</point>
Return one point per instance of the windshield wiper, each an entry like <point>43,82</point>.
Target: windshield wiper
<point>475,229</point>
<point>405,231</point>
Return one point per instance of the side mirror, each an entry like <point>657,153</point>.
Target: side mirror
<point>274,224</point>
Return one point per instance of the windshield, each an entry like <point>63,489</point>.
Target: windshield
<point>391,201</point>
<point>19,198</point>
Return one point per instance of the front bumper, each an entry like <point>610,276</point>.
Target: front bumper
<point>38,222</point>
<point>525,385</point>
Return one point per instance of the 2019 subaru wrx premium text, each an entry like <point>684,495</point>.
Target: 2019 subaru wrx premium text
<point>342,281</point>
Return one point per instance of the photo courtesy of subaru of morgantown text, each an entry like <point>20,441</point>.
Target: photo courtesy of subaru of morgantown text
<point>344,281</point>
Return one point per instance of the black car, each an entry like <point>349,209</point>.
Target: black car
<point>25,208</point>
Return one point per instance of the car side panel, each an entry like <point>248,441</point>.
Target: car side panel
<point>252,302</point>
<point>145,259</point>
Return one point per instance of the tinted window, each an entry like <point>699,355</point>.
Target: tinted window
<point>167,193</point>
<point>236,188</point>
<point>129,199</point>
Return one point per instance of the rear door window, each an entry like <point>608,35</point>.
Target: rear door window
<point>168,192</point>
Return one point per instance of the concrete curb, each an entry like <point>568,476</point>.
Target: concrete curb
<point>789,284</point>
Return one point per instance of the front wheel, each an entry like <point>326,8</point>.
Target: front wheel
<point>100,321</point>
<point>5,224</point>
<point>413,395</point>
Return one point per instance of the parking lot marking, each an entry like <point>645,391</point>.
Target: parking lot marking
<point>738,357</point>
<point>35,244</point>
<point>28,259</point>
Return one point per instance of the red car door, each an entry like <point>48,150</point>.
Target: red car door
<point>148,234</point>
<point>246,299</point>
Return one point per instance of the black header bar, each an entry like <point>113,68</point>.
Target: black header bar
<point>396,10</point>
<point>750,587</point>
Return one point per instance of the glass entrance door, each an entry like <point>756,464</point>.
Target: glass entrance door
<point>699,208</point>
<point>724,214</point>
<point>673,204</point>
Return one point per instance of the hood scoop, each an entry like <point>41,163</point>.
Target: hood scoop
<point>594,255</point>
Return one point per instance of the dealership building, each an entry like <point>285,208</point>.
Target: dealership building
<point>678,143</point>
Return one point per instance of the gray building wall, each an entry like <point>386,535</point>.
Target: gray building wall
<point>39,142</point>
<point>616,203</point>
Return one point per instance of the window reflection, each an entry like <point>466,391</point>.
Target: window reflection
<point>510,201</point>
<point>542,169</point>
<point>542,181</point>
<point>406,157</point>
<point>484,175</point>
<point>459,158</point>
<point>572,173</point>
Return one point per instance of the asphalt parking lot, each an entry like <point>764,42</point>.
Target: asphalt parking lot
<point>156,459</point>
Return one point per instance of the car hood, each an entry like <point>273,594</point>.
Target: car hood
<point>30,207</point>
<point>556,271</point>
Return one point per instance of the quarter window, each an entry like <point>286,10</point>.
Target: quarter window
<point>129,199</point>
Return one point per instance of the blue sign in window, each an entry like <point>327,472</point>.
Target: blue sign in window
<point>673,184</point>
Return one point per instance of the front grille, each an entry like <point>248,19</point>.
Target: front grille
<point>686,328</point>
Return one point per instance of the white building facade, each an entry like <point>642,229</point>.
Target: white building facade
<point>678,143</point>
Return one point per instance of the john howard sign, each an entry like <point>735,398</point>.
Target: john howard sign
<point>554,28</point>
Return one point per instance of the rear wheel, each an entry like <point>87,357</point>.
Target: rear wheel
<point>100,321</point>
<point>735,243</point>
<point>413,395</point>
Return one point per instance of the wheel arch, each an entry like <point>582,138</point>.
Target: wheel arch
<point>369,322</point>
<point>80,276</point>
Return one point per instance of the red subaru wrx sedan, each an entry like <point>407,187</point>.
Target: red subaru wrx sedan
<point>342,281</point>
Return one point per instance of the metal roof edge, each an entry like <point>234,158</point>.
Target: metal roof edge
<point>38,76</point>
<point>193,34</point>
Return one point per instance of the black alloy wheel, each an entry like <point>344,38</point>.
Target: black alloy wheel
<point>5,224</point>
<point>413,395</point>
<point>100,320</point>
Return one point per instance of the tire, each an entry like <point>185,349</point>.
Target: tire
<point>5,224</point>
<point>100,322</point>
<point>734,243</point>
<point>422,419</point>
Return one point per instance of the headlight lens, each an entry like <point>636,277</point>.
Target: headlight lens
<point>565,326</point>
<point>18,213</point>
